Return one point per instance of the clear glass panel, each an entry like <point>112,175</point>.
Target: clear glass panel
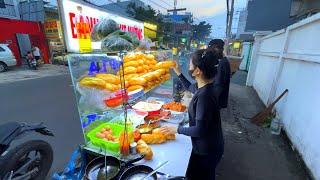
<point>97,85</point>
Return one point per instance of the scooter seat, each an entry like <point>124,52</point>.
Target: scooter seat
<point>7,130</point>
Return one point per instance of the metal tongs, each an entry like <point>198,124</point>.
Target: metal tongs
<point>155,170</point>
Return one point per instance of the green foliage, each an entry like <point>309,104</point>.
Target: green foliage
<point>201,31</point>
<point>143,14</point>
<point>151,16</point>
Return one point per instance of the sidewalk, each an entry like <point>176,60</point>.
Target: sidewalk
<point>24,73</point>
<point>251,152</point>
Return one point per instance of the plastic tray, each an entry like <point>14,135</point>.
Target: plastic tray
<point>108,145</point>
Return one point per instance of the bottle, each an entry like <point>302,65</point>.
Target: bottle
<point>275,126</point>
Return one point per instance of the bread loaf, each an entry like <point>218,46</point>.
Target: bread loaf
<point>109,78</point>
<point>93,82</point>
<point>153,138</point>
<point>134,87</point>
<point>143,148</point>
<point>165,64</point>
<point>137,81</point>
<point>130,70</point>
<point>131,63</point>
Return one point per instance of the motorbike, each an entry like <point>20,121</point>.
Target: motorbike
<point>32,63</point>
<point>29,160</point>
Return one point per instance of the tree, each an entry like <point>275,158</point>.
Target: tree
<point>143,14</point>
<point>151,16</point>
<point>201,31</point>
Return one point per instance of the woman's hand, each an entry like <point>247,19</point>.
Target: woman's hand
<point>176,69</point>
<point>168,130</point>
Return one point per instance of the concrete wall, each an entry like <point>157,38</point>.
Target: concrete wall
<point>290,59</point>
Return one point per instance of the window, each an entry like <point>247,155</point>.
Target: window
<point>1,49</point>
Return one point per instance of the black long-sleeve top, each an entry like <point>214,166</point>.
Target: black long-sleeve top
<point>222,80</point>
<point>204,119</point>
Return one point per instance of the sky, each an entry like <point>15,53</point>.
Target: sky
<point>212,11</point>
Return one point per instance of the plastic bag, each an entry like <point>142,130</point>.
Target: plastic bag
<point>129,36</point>
<point>134,39</point>
<point>92,99</point>
<point>74,170</point>
<point>145,44</point>
<point>103,28</point>
<point>115,43</point>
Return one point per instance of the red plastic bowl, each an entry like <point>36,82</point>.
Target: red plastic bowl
<point>116,101</point>
<point>157,112</point>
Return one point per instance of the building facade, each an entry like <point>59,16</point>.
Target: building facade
<point>10,9</point>
<point>261,15</point>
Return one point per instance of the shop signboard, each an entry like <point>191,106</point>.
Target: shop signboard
<point>52,29</point>
<point>150,30</point>
<point>236,45</point>
<point>78,19</point>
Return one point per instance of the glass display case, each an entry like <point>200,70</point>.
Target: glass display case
<point>108,89</point>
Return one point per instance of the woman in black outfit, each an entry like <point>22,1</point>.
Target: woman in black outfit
<point>204,117</point>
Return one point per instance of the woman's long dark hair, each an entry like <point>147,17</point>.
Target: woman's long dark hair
<point>207,62</point>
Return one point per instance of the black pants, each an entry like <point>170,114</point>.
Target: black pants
<point>203,167</point>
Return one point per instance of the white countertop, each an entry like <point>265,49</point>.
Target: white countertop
<point>177,152</point>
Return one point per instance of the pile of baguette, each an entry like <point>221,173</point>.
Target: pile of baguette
<point>156,137</point>
<point>141,71</point>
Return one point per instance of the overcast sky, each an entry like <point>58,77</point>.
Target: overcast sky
<point>212,11</point>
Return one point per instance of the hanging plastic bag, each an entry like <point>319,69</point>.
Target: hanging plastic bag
<point>145,44</point>
<point>75,168</point>
<point>115,43</point>
<point>103,28</point>
<point>92,99</point>
<point>129,36</point>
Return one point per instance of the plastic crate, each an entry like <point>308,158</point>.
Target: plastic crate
<point>108,145</point>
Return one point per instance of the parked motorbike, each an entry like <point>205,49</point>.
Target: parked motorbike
<point>29,160</point>
<point>32,63</point>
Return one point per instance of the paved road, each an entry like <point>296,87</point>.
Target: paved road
<point>48,100</point>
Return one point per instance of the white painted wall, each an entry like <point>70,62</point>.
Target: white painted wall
<point>290,59</point>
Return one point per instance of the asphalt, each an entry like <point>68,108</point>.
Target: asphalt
<point>251,152</point>
<point>49,100</point>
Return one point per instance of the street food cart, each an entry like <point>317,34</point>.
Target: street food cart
<point>124,95</point>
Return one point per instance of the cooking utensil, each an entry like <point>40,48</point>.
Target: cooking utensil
<point>137,172</point>
<point>155,170</point>
<point>112,164</point>
<point>169,177</point>
<point>112,168</point>
<point>263,115</point>
<point>103,172</point>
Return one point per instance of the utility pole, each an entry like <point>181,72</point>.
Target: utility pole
<point>175,13</point>
<point>227,19</point>
<point>229,24</point>
<point>231,19</point>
